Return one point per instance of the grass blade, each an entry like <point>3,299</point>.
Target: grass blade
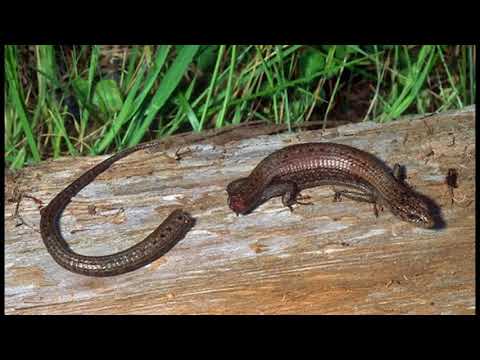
<point>168,85</point>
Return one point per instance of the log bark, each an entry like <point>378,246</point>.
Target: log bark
<point>327,258</point>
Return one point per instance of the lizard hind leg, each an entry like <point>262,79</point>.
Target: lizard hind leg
<point>360,196</point>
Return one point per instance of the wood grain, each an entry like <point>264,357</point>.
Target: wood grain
<point>327,258</point>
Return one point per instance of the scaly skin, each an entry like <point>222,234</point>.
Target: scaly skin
<point>289,170</point>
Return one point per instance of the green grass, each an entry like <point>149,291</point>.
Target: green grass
<point>62,101</point>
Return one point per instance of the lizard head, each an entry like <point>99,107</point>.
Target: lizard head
<point>415,209</point>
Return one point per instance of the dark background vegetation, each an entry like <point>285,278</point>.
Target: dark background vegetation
<point>71,100</point>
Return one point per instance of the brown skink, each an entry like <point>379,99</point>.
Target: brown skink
<point>161,240</point>
<point>289,170</point>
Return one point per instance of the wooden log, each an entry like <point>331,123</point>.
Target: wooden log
<point>327,258</point>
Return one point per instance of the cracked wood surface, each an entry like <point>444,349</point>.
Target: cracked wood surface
<point>327,258</point>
